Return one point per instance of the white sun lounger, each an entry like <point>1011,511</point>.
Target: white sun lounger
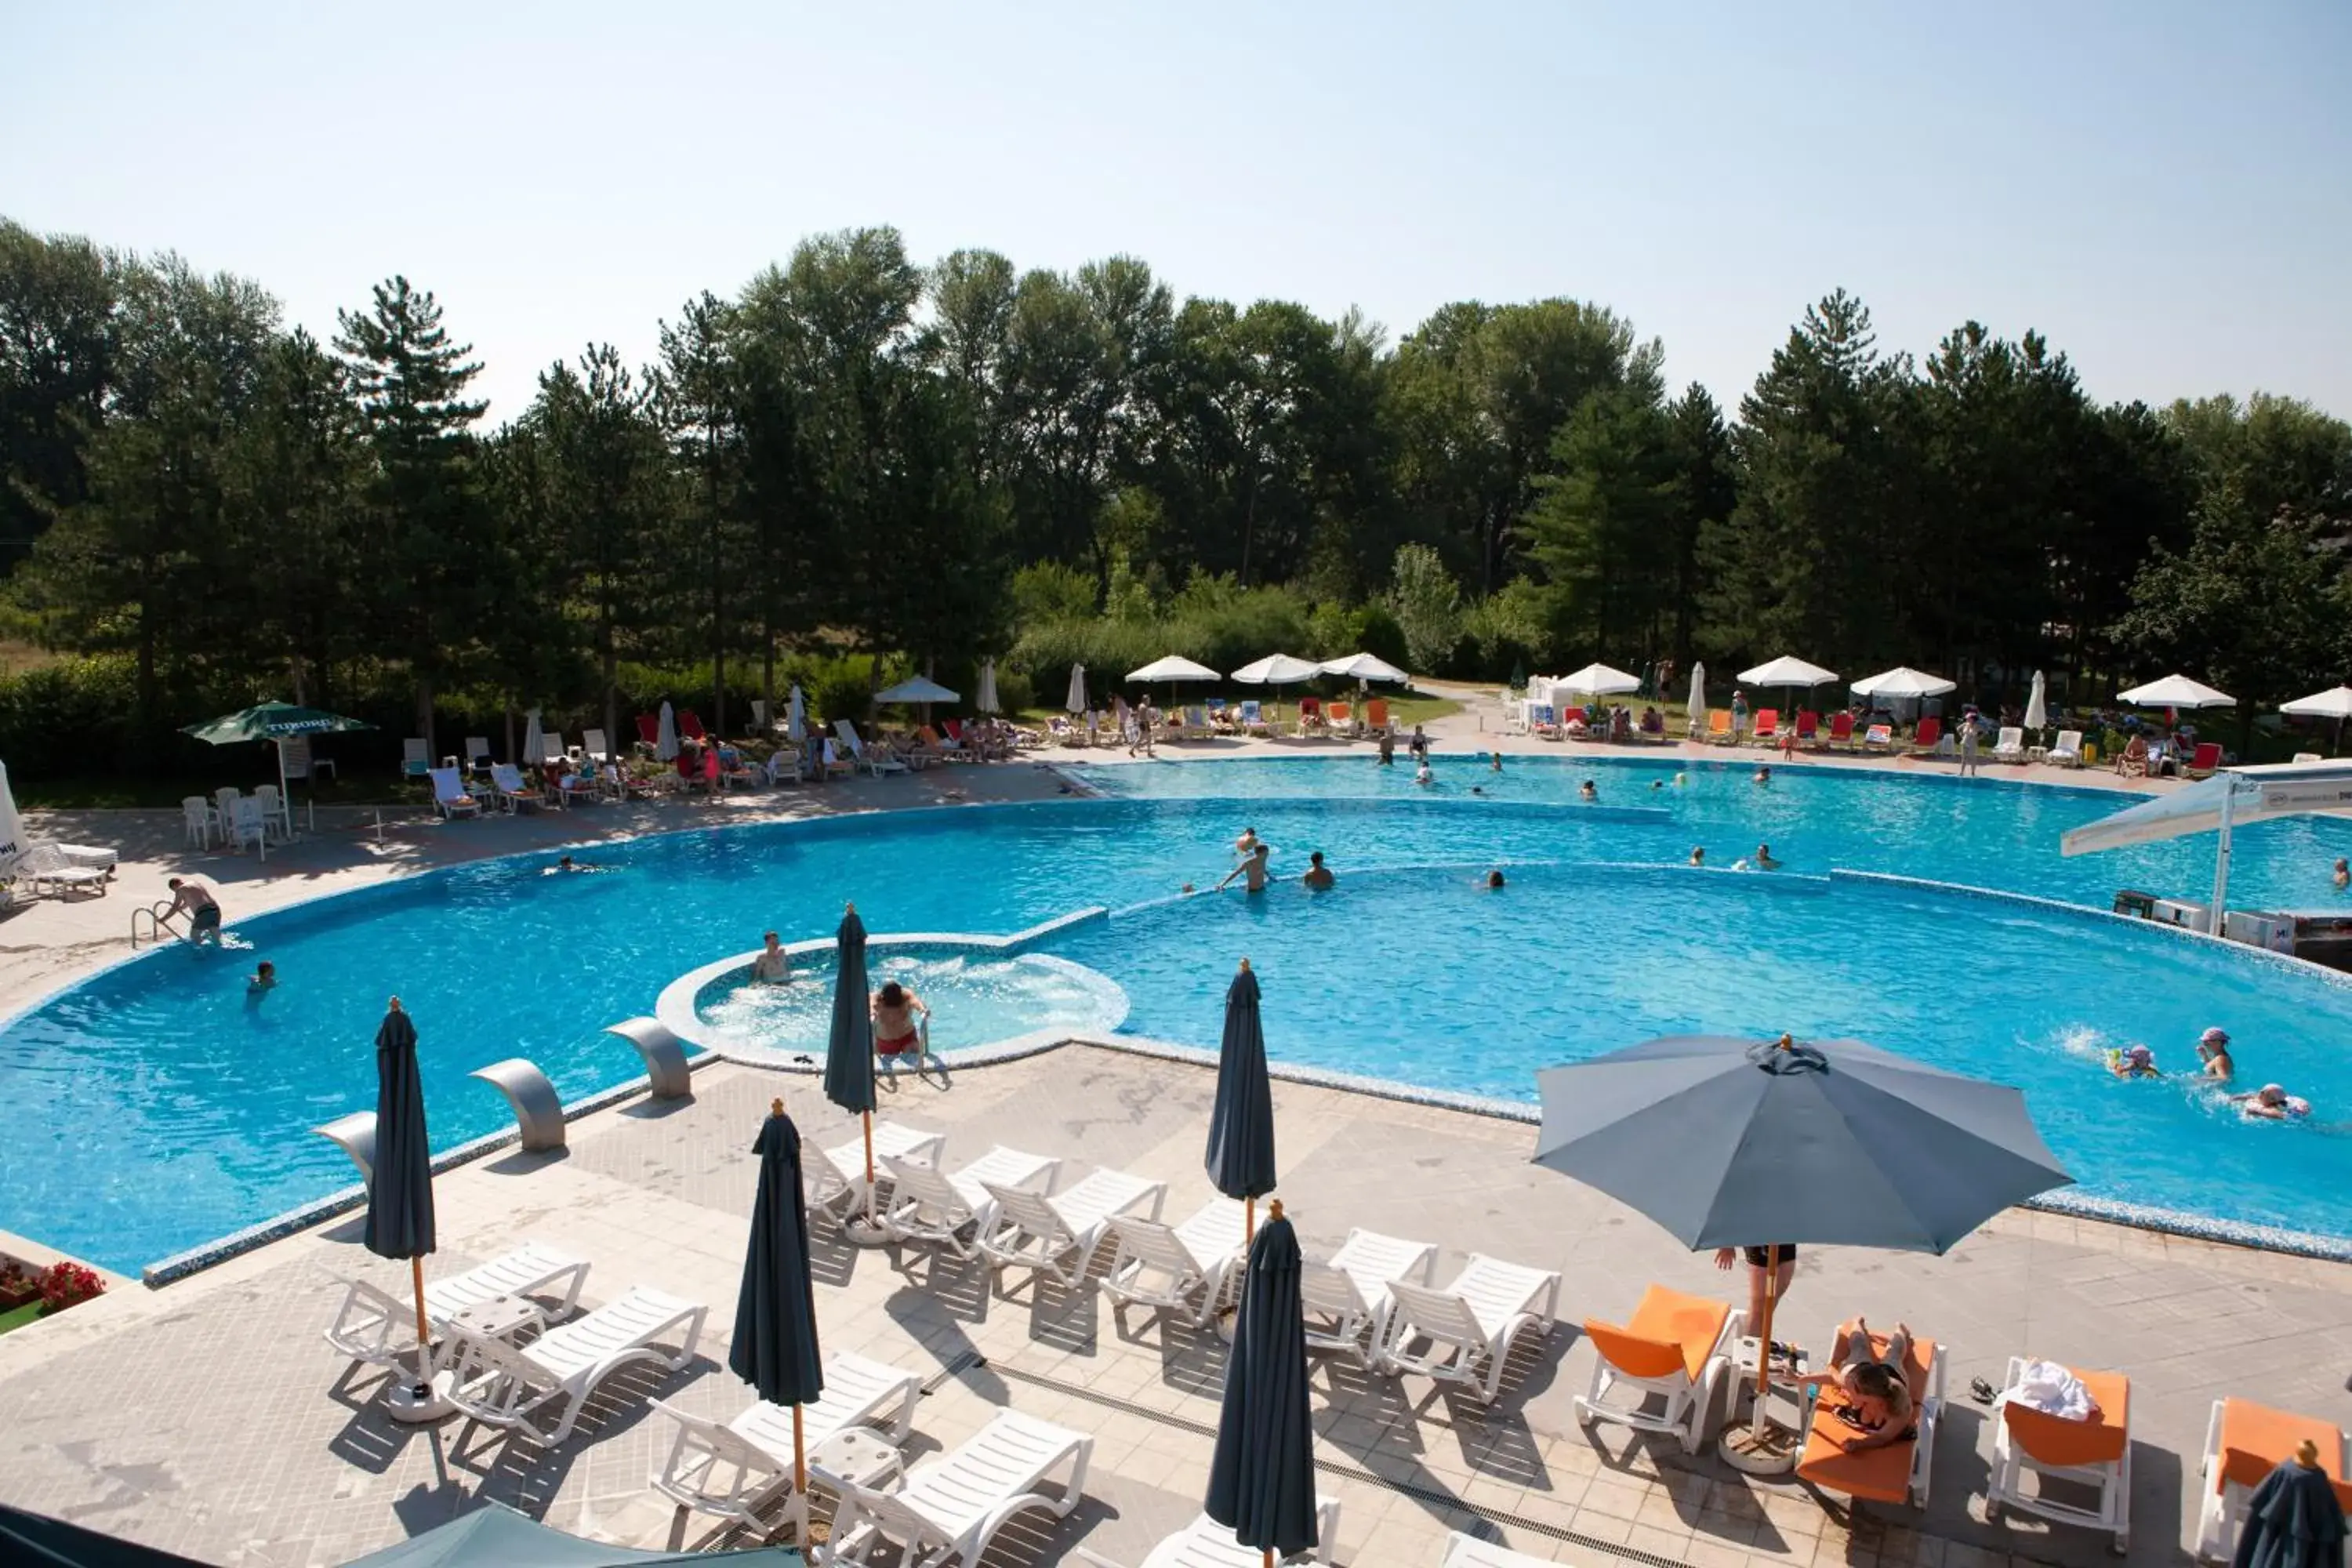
<point>1352,1292</point>
<point>1469,1552</point>
<point>874,762</point>
<point>729,1470</point>
<point>1165,1266</point>
<point>505,779</point>
<point>500,1386</point>
<point>837,1178</point>
<point>947,1511</point>
<point>50,867</point>
<point>955,1211</point>
<point>2068,752</point>
<point>377,1327</point>
<point>1464,1334</point>
<point>2010,747</point>
<point>1205,1543</point>
<point>1042,1234</point>
<point>449,797</point>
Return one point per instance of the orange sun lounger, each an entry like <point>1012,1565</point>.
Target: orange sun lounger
<point>2244,1442</point>
<point>2094,1454</point>
<point>1678,1347</point>
<point>1899,1472</point>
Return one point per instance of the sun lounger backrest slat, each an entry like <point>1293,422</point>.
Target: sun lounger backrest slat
<point>1440,1314</point>
<point>1155,1245</point>
<point>924,1185</point>
<point>1102,1195</point>
<point>1032,1213</point>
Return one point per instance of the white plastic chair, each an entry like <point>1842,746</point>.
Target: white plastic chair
<point>416,757</point>
<point>225,801</point>
<point>477,754</point>
<point>837,1178</point>
<point>2068,752</point>
<point>1058,1234</point>
<point>502,1386</point>
<point>197,819</point>
<point>275,819</point>
<point>247,824</point>
<point>1464,1334</point>
<point>377,1327</point>
<point>729,1470</point>
<point>2010,745</point>
<point>955,1211</point>
<point>1651,1355</point>
<point>1178,1268</point>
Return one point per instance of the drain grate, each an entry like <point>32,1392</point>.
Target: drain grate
<point>1487,1520</point>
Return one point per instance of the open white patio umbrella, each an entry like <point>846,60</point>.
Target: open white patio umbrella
<point>986,702</point>
<point>2176,691</point>
<point>665,735</point>
<point>1902,681</point>
<point>2037,705</point>
<point>1174,667</point>
<point>1698,703</point>
<point>1078,699</point>
<point>1363,666</point>
<point>920,688</point>
<point>1599,680</point>
<point>1787,673</point>
<point>534,739</point>
<point>1277,669</point>
<point>2334,703</point>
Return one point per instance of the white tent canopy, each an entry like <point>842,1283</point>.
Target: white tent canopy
<point>2334,703</point>
<point>2225,800</point>
<point>1173,667</point>
<point>1599,680</point>
<point>1901,682</point>
<point>1365,667</point>
<point>2176,691</point>
<point>1277,669</point>
<point>1787,670</point>
<point>920,688</point>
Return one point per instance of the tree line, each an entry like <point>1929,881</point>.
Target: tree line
<point>857,461</point>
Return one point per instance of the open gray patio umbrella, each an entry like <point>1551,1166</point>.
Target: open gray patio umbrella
<point>44,1542</point>
<point>400,1198</point>
<point>1262,1476</point>
<point>774,1346</point>
<point>1241,1125</point>
<point>2295,1519</point>
<point>1734,1143</point>
<point>496,1536</point>
<point>849,1047</point>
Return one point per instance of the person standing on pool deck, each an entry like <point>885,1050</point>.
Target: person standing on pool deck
<point>1254,869</point>
<point>1759,1265</point>
<point>1738,714</point>
<point>1968,763</point>
<point>1319,876</point>
<point>773,964</point>
<point>204,912</point>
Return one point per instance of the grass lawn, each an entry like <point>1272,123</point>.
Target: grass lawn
<point>16,1318</point>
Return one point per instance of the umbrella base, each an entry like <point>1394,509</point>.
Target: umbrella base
<point>860,1231</point>
<point>404,1404</point>
<point>1771,1452</point>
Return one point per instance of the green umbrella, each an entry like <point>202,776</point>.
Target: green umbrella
<point>275,721</point>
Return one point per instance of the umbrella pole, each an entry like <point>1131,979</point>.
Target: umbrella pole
<point>867,1119</point>
<point>800,1475</point>
<point>1249,1221</point>
<point>1764,1337</point>
<point>423,1343</point>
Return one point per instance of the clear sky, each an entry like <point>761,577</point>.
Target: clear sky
<point>2164,187</point>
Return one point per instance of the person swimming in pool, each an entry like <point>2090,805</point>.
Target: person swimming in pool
<point>1698,855</point>
<point>1587,791</point>
<point>2135,1061</point>
<point>1681,780</point>
<point>1252,871</point>
<point>1319,876</point>
<point>1657,783</point>
<point>773,964</point>
<point>264,980</point>
<point>1494,880</point>
<point>1246,845</point>
<point>2271,1103</point>
<point>1496,766</point>
<point>1763,860</point>
<point>1424,777</point>
<point>1764,778</point>
<point>2214,1051</point>
<point>2342,876</point>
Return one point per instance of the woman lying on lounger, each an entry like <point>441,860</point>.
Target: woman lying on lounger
<point>1877,1390</point>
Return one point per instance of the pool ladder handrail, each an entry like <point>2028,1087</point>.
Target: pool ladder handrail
<point>156,914</point>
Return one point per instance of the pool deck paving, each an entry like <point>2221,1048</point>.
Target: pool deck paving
<point>208,1417</point>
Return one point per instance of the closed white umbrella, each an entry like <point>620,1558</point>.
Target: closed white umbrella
<point>796,714</point>
<point>1173,667</point>
<point>987,702</point>
<point>534,742</point>
<point>1277,669</point>
<point>1364,667</point>
<point>2176,691</point>
<point>1599,680</point>
<point>2037,705</point>
<point>664,738</point>
<point>1698,696</point>
<point>1902,681</point>
<point>1077,702</point>
<point>921,689</point>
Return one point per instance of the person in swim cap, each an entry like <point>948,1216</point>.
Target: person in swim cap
<point>2136,1061</point>
<point>2271,1103</point>
<point>2213,1050</point>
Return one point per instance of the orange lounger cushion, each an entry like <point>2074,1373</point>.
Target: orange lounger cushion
<point>1671,1333</point>
<point>2057,1443</point>
<point>2256,1438</point>
<point>1882,1474</point>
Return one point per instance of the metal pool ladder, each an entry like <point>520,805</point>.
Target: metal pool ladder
<point>153,914</point>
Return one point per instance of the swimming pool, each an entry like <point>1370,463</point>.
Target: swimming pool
<point>154,1106</point>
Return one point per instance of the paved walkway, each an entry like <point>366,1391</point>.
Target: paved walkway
<point>209,1418</point>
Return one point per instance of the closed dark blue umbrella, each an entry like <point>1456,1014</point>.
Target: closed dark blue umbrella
<point>1241,1125</point>
<point>2295,1519</point>
<point>849,1047</point>
<point>1261,1477</point>
<point>775,1347</point>
<point>400,1196</point>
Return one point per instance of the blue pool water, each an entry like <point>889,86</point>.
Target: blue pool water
<point>155,1107</point>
